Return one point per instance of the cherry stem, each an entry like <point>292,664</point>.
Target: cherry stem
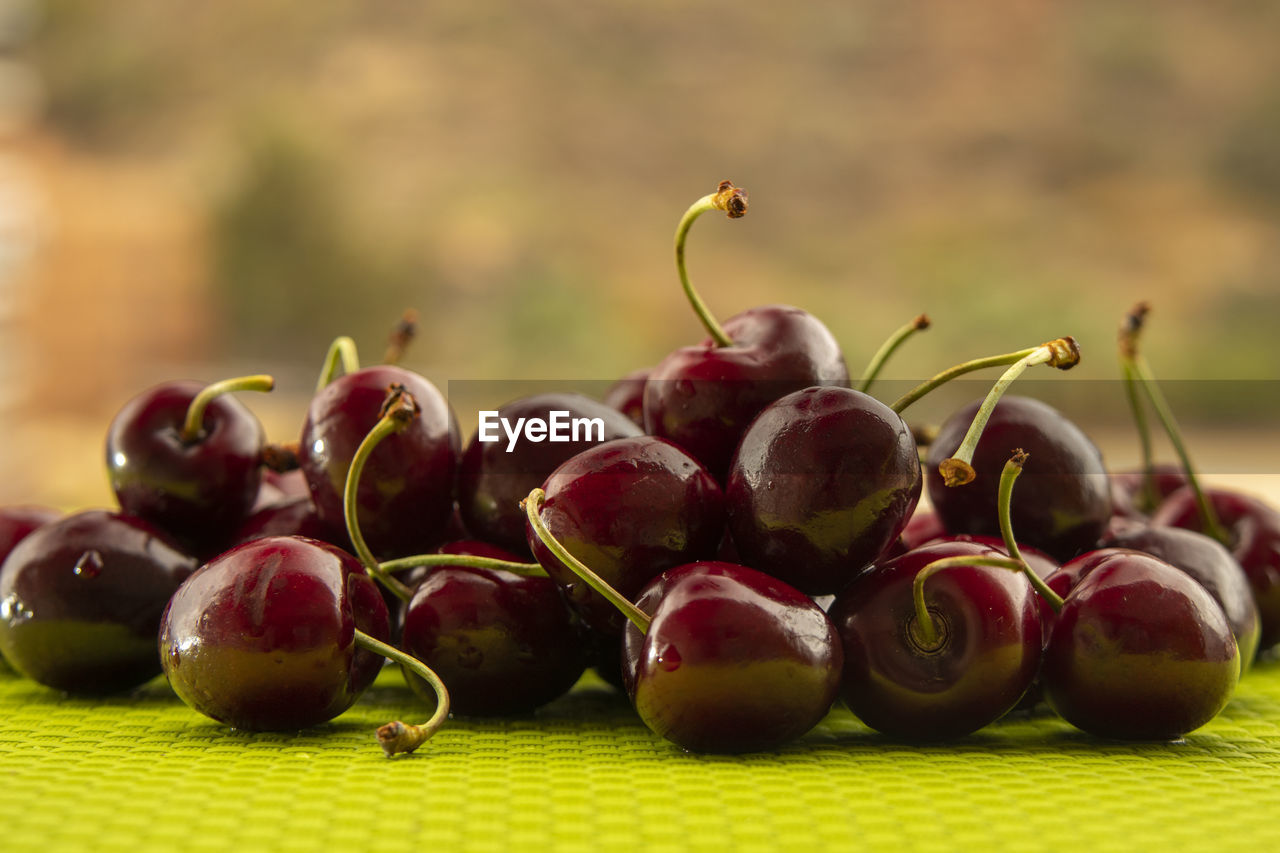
<point>981,364</point>
<point>1062,353</point>
<point>733,201</point>
<point>342,353</point>
<point>470,561</point>
<point>888,348</point>
<point>398,737</point>
<point>402,334</point>
<point>533,508</point>
<point>1136,366</point>
<point>192,426</point>
<point>926,629</point>
<point>1148,496</point>
<point>1004,502</point>
<point>398,410</point>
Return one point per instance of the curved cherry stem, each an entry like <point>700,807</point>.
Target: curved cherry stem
<point>193,424</point>
<point>1004,502</point>
<point>341,354</point>
<point>1134,363</point>
<point>1062,353</point>
<point>733,201</point>
<point>397,737</point>
<point>1064,362</point>
<point>398,411</point>
<point>402,334</point>
<point>926,633</point>
<point>470,561</point>
<point>888,348</point>
<point>1148,496</point>
<point>533,510</point>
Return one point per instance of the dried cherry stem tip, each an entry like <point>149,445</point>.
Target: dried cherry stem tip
<point>397,737</point>
<point>192,425</point>
<point>402,334</point>
<point>732,201</point>
<point>533,511</point>
<point>398,410</point>
<point>1062,353</point>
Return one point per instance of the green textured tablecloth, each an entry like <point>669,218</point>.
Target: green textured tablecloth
<point>145,772</point>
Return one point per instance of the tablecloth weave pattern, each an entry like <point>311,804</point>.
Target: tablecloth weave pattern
<point>144,772</point>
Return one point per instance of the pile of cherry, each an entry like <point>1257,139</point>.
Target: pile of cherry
<point>736,544</point>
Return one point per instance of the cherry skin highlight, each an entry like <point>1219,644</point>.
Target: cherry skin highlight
<point>733,660</point>
<point>81,598</point>
<point>822,484</point>
<point>262,638</point>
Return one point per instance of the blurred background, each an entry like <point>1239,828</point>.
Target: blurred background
<point>205,190</point>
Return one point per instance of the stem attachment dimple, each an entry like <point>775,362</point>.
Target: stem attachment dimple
<point>398,411</point>
<point>341,353</point>
<point>1062,353</point>
<point>927,633</point>
<point>888,348</point>
<point>193,424</point>
<point>397,737</point>
<point>533,511</point>
<point>733,201</point>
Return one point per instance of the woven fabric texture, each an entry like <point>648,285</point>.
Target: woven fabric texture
<point>144,772</point>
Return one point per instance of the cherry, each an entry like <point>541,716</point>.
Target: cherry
<point>406,496</point>
<point>702,397</point>
<point>19,521</point>
<point>295,517</point>
<point>627,395</point>
<point>823,482</point>
<point>630,508</point>
<point>969,666</point>
<point>1210,564</point>
<point>1064,500</point>
<point>81,598</point>
<point>280,634</point>
<point>1134,497</point>
<point>492,480</point>
<point>1139,651</point>
<point>504,643</point>
<point>1252,533</point>
<point>187,458</point>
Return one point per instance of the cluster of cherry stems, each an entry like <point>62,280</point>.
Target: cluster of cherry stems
<point>736,545</point>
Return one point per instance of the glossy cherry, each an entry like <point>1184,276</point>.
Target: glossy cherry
<point>198,485</point>
<point>1139,650</point>
<point>732,660</point>
<point>1063,502</point>
<point>263,637</point>
<point>631,509</point>
<point>983,658</point>
<point>293,517</point>
<point>493,481</point>
<point>81,598</point>
<point>822,484</point>
<point>1213,567</point>
<point>405,496</point>
<point>1252,528</point>
<point>504,643</point>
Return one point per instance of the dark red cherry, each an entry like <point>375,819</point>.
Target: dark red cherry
<point>630,509</point>
<point>502,642</point>
<point>981,661</point>
<point>199,489</point>
<point>18,521</point>
<point>822,484</point>
<point>81,598</point>
<point>262,638</point>
<point>1140,651</point>
<point>294,517</point>
<point>1063,501</point>
<point>703,397</point>
<point>1127,497</point>
<point>733,660</point>
<point>627,395</point>
<point>496,475</point>
<point>405,496</point>
<point>1212,565</point>
<point>1254,531</point>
